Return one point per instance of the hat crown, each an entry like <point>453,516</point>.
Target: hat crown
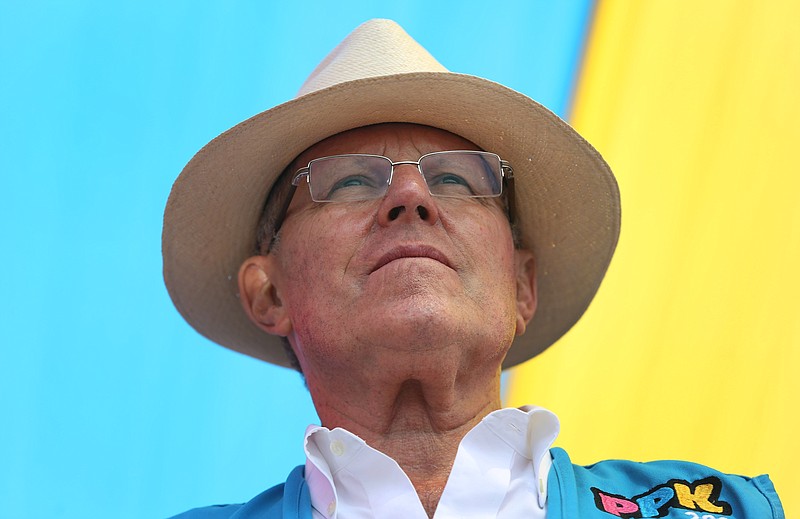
<point>375,48</point>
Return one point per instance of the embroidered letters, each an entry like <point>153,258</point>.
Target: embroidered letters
<point>702,495</point>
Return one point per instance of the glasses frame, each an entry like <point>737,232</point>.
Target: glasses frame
<point>506,185</point>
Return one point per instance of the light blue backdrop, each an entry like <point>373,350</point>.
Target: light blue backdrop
<point>110,405</point>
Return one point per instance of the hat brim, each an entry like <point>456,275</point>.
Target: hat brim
<point>567,200</point>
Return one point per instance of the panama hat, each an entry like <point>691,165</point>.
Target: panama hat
<point>567,200</point>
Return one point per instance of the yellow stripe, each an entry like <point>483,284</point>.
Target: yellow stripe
<point>692,348</point>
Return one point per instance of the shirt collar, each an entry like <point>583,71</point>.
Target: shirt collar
<point>530,431</point>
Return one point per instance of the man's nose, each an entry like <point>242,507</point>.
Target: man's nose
<point>407,198</point>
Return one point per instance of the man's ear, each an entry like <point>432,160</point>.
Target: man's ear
<point>526,288</point>
<point>261,298</point>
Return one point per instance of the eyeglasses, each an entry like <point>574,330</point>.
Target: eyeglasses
<point>357,177</point>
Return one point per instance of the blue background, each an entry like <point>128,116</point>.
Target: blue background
<point>110,404</point>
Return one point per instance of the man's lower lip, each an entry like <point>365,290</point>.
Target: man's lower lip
<point>411,258</point>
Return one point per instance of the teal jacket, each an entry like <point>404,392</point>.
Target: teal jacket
<point>608,489</point>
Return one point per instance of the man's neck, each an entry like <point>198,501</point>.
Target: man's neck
<point>419,424</point>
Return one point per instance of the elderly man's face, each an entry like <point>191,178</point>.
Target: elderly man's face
<point>392,281</point>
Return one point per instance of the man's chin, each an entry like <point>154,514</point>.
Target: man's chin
<point>428,327</point>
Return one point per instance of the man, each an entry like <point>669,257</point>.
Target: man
<point>422,230</point>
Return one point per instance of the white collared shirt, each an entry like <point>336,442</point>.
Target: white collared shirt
<point>500,470</point>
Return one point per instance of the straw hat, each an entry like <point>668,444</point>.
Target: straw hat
<point>567,201</point>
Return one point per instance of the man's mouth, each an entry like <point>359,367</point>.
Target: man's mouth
<point>412,251</point>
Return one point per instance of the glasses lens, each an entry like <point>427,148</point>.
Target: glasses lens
<point>462,174</point>
<point>347,178</point>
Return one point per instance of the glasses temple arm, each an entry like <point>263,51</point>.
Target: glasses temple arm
<point>282,215</point>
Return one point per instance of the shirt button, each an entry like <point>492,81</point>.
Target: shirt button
<point>331,508</point>
<point>337,447</point>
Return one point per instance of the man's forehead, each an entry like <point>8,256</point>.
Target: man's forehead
<point>398,141</point>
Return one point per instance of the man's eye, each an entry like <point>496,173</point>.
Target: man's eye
<point>353,181</point>
<point>452,179</point>
<point>450,184</point>
<point>353,187</point>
